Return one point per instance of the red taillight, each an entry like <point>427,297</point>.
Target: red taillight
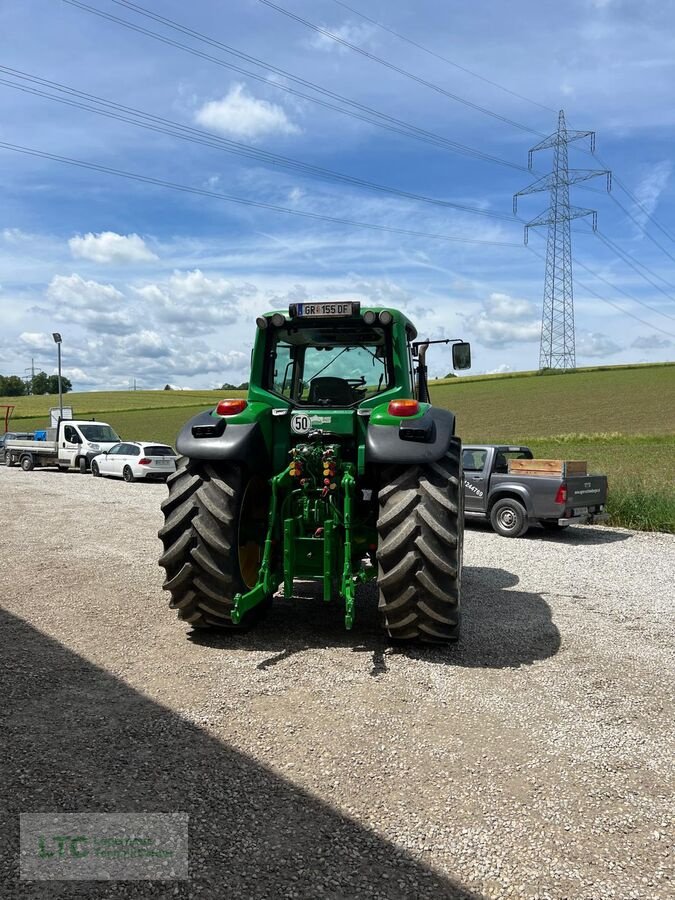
<point>561,496</point>
<point>403,407</point>
<point>230,407</point>
<point>144,462</point>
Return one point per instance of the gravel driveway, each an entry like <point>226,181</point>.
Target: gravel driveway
<point>535,759</point>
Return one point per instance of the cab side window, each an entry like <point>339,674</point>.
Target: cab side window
<point>70,435</point>
<point>474,460</point>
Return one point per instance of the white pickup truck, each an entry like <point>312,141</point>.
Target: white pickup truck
<point>72,444</point>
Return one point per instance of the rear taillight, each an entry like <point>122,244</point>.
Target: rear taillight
<point>403,407</point>
<point>144,462</point>
<point>561,496</point>
<point>230,407</point>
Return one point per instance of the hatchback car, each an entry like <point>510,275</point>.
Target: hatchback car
<point>135,460</point>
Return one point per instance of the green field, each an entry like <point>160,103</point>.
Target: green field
<point>621,419</point>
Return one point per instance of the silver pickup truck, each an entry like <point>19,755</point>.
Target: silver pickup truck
<point>514,502</point>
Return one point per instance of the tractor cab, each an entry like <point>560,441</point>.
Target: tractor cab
<point>335,355</point>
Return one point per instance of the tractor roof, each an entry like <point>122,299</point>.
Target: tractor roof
<point>397,314</point>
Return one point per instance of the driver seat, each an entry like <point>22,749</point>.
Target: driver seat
<point>332,390</point>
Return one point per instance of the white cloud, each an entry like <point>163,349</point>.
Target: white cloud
<point>99,307</point>
<point>651,342</point>
<point>650,189</point>
<point>505,320</point>
<point>110,247</point>
<point>35,340</point>
<point>357,34</point>
<point>596,345</point>
<point>500,370</point>
<point>73,290</point>
<point>239,114</point>
<point>195,298</point>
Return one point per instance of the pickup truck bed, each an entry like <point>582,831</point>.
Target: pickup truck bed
<point>513,502</point>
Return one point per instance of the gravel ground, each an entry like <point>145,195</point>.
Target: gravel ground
<point>533,760</point>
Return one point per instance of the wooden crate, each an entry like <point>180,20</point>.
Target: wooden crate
<point>560,467</point>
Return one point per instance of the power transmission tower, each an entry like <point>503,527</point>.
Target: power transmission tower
<point>557,348</point>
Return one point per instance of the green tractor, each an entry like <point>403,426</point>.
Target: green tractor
<point>335,468</point>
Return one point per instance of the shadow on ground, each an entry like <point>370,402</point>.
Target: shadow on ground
<point>502,627</point>
<point>82,740</point>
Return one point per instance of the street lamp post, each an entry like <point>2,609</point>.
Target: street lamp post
<point>57,341</point>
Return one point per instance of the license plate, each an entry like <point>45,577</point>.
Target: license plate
<point>317,310</point>
<point>162,462</point>
<point>581,511</point>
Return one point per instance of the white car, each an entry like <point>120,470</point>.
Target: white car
<point>131,460</point>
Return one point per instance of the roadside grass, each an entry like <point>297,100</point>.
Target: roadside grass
<point>640,507</point>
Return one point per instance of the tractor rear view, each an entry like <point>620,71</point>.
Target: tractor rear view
<point>335,468</point>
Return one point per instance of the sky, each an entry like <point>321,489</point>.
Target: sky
<point>162,285</point>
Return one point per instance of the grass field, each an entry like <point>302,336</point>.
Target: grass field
<point>620,419</point>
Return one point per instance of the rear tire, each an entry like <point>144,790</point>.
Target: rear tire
<point>27,464</point>
<point>128,475</point>
<point>419,552</point>
<point>205,560</point>
<point>509,518</point>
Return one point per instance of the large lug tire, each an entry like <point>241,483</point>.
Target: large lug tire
<point>509,518</point>
<point>419,551</point>
<point>27,464</point>
<point>215,520</point>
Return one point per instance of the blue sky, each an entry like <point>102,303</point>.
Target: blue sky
<point>163,286</point>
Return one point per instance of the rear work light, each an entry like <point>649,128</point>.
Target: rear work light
<point>403,407</point>
<point>145,461</point>
<point>230,407</point>
<point>561,496</point>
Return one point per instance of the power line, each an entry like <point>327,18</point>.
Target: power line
<point>643,229</point>
<point>364,113</point>
<point>649,215</point>
<point>203,192</point>
<point>162,125</point>
<point>444,59</point>
<point>633,263</point>
<point>389,65</point>
<point>621,290</point>
<point>644,210</point>
<point>604,299</point>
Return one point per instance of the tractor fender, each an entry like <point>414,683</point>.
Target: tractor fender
<point>421,440</point>
<point>211,438</point>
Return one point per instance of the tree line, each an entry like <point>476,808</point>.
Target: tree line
<point>40,383</point>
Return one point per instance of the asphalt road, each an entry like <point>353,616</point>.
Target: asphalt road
<point>533,760</point>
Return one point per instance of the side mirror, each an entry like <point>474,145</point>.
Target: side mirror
<point>461,355</point>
